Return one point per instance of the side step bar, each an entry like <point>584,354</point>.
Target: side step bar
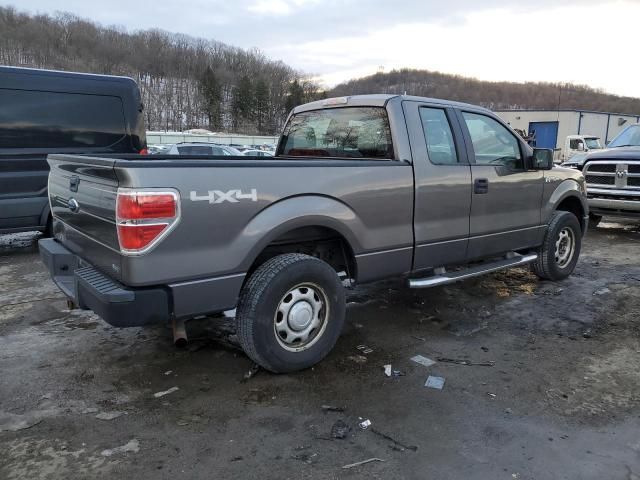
<point>445,278</point>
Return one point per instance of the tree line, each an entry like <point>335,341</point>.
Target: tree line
<point>188,82</point>
<point>492,95</point>
<point>185,82</point>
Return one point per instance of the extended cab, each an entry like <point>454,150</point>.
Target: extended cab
<point>612,176</point>
<point>361,188</point>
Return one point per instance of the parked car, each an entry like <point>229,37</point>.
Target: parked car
<point>202,148</point>
<point>42,112</point>
<point>362,188</point>
<point>258,153</point>
<point>612,176</point>
<point>158,149</point>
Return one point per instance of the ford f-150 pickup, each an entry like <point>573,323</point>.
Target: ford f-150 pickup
<point>361,188</point>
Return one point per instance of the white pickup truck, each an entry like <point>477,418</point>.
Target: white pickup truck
<point>574,144</point>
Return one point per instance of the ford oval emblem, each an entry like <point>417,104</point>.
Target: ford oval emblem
<point>73,205</point>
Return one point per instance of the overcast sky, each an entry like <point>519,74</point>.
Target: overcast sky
<point>593,42</point>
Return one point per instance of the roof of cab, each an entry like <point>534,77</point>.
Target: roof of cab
<point>62,74</point>
<point>377,100</point>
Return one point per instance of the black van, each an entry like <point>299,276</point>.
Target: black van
<point>44,111</point>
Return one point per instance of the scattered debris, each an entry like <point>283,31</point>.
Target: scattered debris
<point>387,370</point>
<point>304,457</point>
<point>168,372</point>
<point>460,361</point>
<point>236,459</point>
<point>508,411</point>
<point>109,415</point>
<point>484,349</point>
<point>422,360</point>
<point>166,392</point>
<point>130,446</point>
<point>422,339</point>
<point>89,410</point>
<point>434,382</point>
<point>364,349</point>
<point>363,462</point>
<point>402,446</point>
<point>251,373</point>
<point>398,373</point>
<point>332,408</point>
<point>11,422</point>
<point>340,430</point>
<point>359,359</point>
<point>602,291</point>
<point>492,395</point>
<point>365,424</point>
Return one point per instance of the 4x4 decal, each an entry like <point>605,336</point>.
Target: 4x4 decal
<point>217,196</point>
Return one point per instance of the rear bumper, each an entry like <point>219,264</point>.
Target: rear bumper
<point>90,289</point>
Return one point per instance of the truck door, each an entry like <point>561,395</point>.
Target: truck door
<point>507,196</point>
<point>442,184</point>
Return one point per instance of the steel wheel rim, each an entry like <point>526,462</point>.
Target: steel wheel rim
<point>565,247</point>
<point>301,317</point>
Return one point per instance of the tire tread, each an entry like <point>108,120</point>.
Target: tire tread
<point>250,296</point>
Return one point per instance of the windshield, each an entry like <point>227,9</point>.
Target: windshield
<point>630,136</point>
<point>593,143</point>
<point>353,132</point>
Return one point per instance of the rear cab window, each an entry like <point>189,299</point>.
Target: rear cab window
<point>348,132</point>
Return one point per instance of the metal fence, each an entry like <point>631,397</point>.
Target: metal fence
<point>164,138</point>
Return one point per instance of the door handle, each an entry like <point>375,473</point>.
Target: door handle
<point>481,185</point>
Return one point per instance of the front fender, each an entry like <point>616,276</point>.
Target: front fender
<point>555,194</point>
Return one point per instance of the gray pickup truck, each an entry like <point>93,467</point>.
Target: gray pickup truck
<point>361,188</point>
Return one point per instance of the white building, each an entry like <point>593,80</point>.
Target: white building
<point>553,126</point>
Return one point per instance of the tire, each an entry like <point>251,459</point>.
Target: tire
<point>594,220</point>
<point>48,231</point>
<point>290,313</point>
<point>554,263</point>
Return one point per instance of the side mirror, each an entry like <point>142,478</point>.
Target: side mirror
<point>580,147</point>
<point>542,159</point>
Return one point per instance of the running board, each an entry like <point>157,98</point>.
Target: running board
<point>444,278</point>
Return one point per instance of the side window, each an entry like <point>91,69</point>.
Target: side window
<point>36,119</point>
<point>438,135</point>
<point>493,144</point>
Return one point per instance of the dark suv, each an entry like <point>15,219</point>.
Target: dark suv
<point>42,112</point>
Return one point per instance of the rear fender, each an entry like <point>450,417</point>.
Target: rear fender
<point>296,212</point>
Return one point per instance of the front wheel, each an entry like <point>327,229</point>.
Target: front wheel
<point>291,312</point>
<point>558,255</point>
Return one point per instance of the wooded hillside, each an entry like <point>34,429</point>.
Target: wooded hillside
<point>493,95</point>
<point>185,82</point>
<point>191,82</point>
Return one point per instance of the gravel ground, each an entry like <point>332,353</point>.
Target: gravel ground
<point>555,392</point>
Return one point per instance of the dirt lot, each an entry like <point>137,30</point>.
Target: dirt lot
<point>561,399</point>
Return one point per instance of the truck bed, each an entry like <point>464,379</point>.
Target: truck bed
<point>230,208</point>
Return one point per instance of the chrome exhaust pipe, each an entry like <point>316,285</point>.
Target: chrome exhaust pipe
<point>179,333</point>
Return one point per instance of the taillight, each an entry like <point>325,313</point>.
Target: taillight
<point>144,217</point>
<point>144,151</point>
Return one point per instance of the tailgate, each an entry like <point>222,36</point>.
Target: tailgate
<point>82,193</point>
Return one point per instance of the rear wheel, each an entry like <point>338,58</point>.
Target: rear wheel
<point>291,312</point>
<point>594,220</point>
<point>558,255</point>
